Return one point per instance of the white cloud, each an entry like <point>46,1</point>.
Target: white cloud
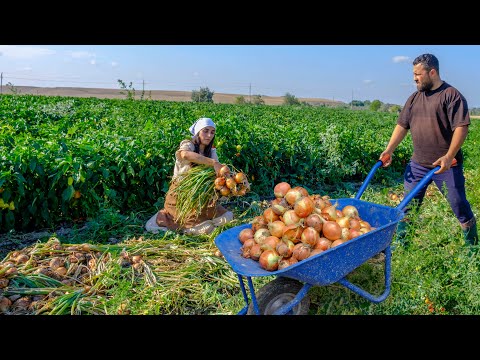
<point>93,62</point>
<point>24,52</point>
<point>81,54</point>
<point>400,59</point>
<point>196,74</point>
<point>114,64</point>
<point>368,82</point>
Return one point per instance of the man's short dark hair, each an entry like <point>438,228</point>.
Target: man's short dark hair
<point>428,61</point>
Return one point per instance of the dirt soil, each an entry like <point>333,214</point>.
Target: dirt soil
<point>150,94</point>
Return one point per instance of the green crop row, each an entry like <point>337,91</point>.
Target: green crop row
<point>62,159</point>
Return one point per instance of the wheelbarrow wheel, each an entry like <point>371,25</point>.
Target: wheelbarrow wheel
<point>277,293</point>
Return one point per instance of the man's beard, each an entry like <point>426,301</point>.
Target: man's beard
<point>425,86</point>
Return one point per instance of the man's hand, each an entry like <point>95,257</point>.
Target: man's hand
<point>445,163</point>
<point>385,158</point>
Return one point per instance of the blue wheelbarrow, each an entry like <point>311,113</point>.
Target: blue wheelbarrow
<point>288,292</point>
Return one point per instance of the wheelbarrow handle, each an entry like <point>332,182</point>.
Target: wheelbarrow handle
<point>369,177</point>
<point>428,176</point>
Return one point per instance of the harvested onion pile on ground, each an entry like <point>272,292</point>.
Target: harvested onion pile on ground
<point>298,225</point>
<point>200,187</point>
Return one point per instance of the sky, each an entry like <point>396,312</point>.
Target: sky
<point>334,72</point>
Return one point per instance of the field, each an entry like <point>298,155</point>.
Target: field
<point>80,177</point>
<point>219,98</point>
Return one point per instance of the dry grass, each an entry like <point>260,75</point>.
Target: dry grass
<point>150,94</point>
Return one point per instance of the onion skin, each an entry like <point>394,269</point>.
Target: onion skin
<point>260,235</point>
<point>293,233</point>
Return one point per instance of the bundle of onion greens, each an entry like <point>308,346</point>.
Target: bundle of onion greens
<point>195,191</point>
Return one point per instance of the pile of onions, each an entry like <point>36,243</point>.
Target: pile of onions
<point>297,226</point>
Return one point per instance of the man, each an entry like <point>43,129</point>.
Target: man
<point>437,117</point>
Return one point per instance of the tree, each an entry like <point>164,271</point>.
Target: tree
<point>290,99</point>
<point>240,99</point>
<point>202,95</point>
<point>375,105</point>
<point>130,90</point>
<point>257,100</point>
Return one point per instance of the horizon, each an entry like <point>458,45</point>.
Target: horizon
<point>332,72</point>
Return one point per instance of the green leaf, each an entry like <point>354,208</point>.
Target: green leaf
<point>68,193</point>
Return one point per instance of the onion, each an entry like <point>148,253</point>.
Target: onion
<point>350,211</point>
<point>247,246</point>
<point>302,190</point>
<point>5,304</point>
<point>331,230</point>
<point>345,234</point>
<point>276,228</point>
<point>304,207</point>
<point>255,251</point>
<point>330,212</point>
<point>259,222</point>
<point>219,182</point>
<point>315,252</point>
<point>314,221</point>
<point>310,236</point>
<point>343,221</point>
<point>245,234</point>
<point>239,177</point>
<point>354,233</point>
<point>269,260</point>
<point>230,183</point>
<point>293,233</point>
<point>285,248</point>
<point>260,235</point>
<point>318,201</point>
<point>270,242</point>
<point>337,242</point>
<point>323,243</point>
<point>290,217</point>
<point>365,224</point>
<point>225,191</point>
<point>281,189</point>
<point>282,264</point>
<point>355,224</point>
<point>270,215</point>
<point>224,171</point>
<point>301,251</point>
<point>292,196</point>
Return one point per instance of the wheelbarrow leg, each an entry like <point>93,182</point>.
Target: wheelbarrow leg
<point>367,295</point>
<point>245,296</point>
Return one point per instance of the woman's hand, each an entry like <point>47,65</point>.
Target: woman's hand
<point>217,166</point>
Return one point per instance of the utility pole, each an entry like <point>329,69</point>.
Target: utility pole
<point>1,83</point>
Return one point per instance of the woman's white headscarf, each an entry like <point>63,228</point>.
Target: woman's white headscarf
<point>200,124</point>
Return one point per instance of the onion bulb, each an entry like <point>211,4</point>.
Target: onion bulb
<point>281,189</point>
<point>269,260</point>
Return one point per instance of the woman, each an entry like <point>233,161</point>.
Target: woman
<point>198,150</point>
